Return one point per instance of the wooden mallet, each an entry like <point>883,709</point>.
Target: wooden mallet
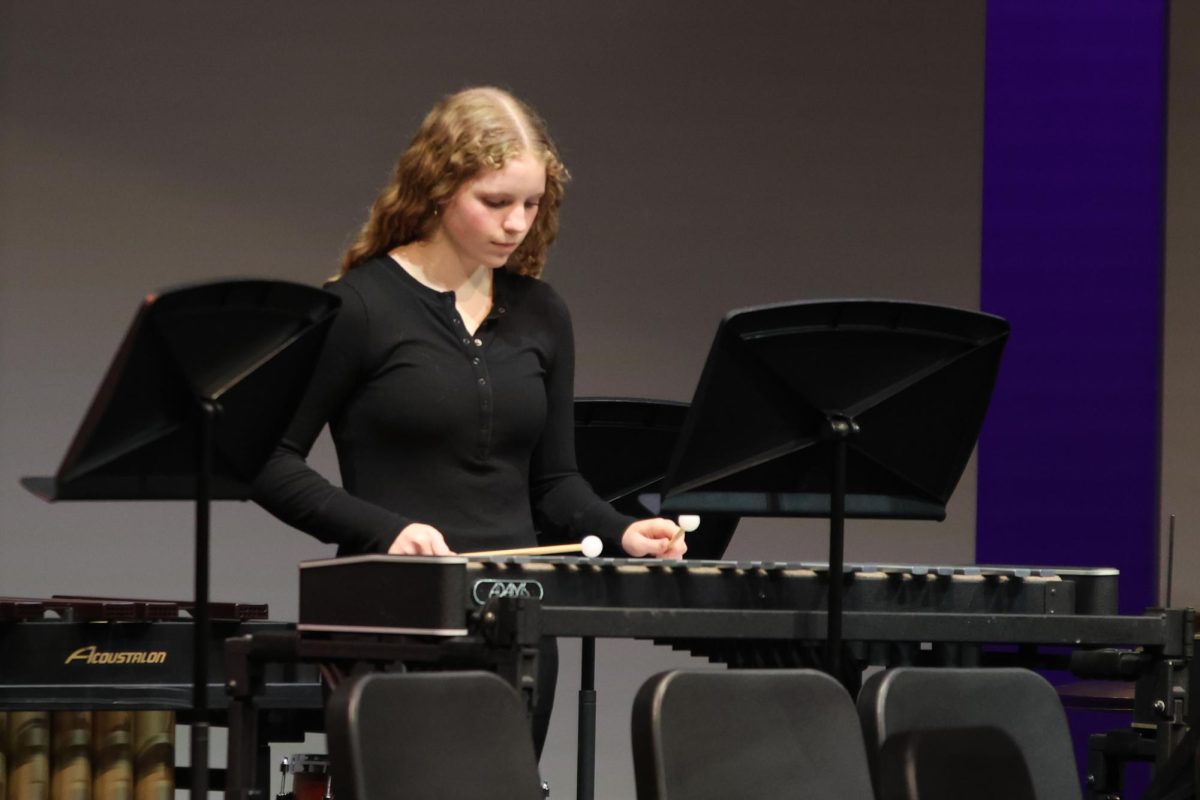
<point>687,524</point>
<point>590,547</point>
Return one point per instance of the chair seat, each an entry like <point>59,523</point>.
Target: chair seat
<point>420,736</point>
<point>981,763</point>
<point>1015,703</point>
<point>715,735</point>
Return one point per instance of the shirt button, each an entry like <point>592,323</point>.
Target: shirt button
<point>457,321</point>
<point>475,361</point>
<point>466,341</point>
<point>478,342</point>
<point>502,310</point>
<point>482,382</point>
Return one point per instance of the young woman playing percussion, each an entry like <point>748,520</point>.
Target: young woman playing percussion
<point>447,379</point>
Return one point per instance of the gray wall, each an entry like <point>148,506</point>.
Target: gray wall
<point>749,154</point>
<point>1181,377</point>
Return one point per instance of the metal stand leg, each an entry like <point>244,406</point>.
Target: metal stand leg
<point>585,786</point>
<point>243,780</point>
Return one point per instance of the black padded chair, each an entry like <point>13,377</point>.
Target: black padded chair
<point>915,721</point>
<point>980,763</point>
<point>701,735</point>
<point>419,736</point>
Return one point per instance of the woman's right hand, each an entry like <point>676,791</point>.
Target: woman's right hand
<point>419,539</point>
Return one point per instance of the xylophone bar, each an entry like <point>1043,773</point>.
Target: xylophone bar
<point>82,608</point>
<point>172,609</point>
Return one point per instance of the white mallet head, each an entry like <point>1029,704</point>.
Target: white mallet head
<point>689,522</point>
<point>592,546</point>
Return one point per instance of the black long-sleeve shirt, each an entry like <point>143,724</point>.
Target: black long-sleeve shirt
<point>472,433</point>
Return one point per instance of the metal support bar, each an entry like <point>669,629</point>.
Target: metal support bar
<point>585,768</point>
<point>1161,630</point>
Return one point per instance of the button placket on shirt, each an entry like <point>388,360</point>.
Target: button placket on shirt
<point>484,384</point>
<point>474,351</point>
<point>473,347</point>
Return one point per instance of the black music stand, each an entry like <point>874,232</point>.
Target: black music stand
<point>196,398</point>
<point>623,447</point>
<point>844,408</point>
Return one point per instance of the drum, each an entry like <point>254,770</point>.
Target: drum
<point>310,777</point>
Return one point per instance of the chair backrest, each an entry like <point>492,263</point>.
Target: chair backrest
<point>414,736</point>
<point>1017,703</point>
<point>747,733</point>
<point>981,763</point>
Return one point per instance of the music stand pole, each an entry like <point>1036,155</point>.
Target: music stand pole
<point>585,764</point>
<point>842,429</point>
<point>200,616</point>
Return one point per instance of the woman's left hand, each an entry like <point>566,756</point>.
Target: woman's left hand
<point>652,537</point>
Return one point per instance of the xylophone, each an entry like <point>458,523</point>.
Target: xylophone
<point>90,690</point>
<point>69,652</point>
<point>439,595</point>
<point>452,612</point>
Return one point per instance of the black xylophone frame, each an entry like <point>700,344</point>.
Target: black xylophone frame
<point>1153,651</point>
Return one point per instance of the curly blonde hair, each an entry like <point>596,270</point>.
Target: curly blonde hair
<point>461,135</point>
